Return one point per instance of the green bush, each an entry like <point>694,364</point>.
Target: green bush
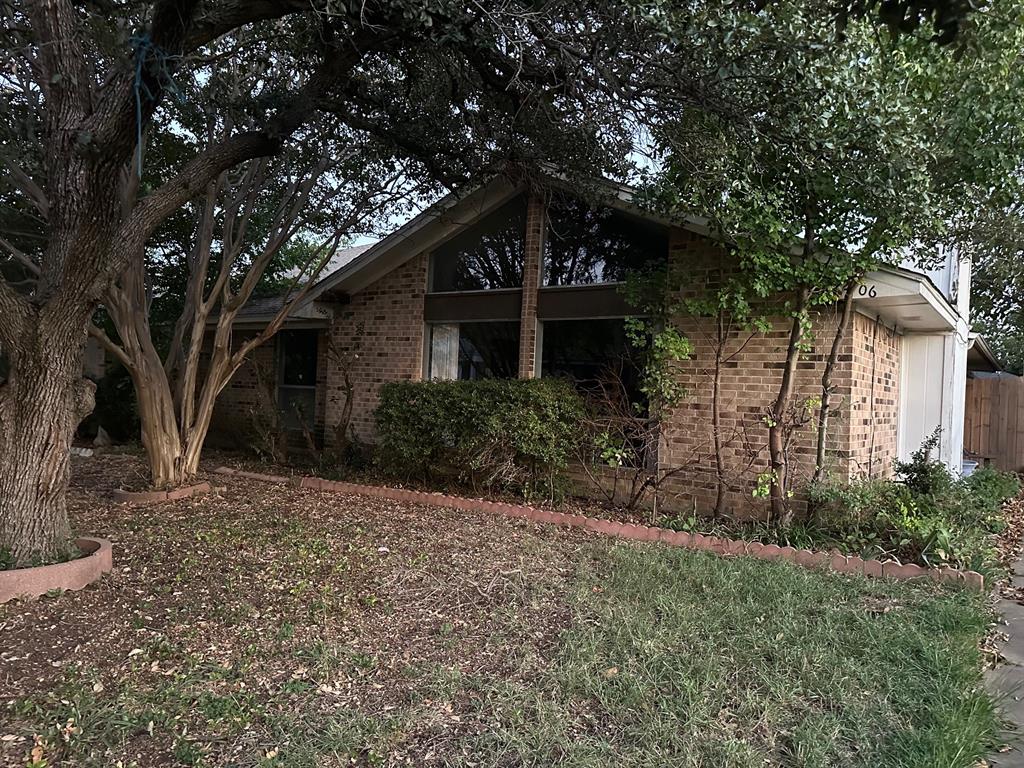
<point>953,522</point>
<point>922,473</point>
<point>495,433</point>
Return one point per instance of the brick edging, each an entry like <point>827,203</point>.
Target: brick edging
<point>150,497</point>
<point>833,561</point>
<point>27,583</point>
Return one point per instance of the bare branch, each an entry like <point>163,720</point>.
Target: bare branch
<point>111,346</point>
<point>29,187</point>
<point>23,258</point>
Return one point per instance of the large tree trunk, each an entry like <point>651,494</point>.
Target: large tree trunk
<point>41,404</point>
<point>160,436</point>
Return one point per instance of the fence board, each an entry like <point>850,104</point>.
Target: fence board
<point>993,419</point>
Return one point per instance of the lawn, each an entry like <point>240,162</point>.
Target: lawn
<point>284,627</point>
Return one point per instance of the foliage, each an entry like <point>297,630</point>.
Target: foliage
<point>922,473</point>
<point>624,426</point>
<point>855,154</point>
<point>511,434</point>
<point>954,522</point>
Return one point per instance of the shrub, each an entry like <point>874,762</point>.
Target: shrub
<point>496,433</point>
<point>990,488</point>
<point>953,522</point>
<point>922,473</point>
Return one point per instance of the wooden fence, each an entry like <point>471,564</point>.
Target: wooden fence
<point>994,421</point>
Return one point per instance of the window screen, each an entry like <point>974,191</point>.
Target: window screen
<point>296,388</point>
<point>487,255</point>
<point>586,245</point>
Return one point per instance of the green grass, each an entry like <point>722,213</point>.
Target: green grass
<point>668,658</point>
<point>677,659</point>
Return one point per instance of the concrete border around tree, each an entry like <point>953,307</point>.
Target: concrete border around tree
<point>27,583</point>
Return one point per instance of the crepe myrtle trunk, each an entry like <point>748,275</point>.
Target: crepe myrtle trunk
<point>778,428</point>
<point>42,402</point>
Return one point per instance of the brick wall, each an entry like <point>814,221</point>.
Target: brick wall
<point>232,418</point>
<point>859,437</point>
<point>874,374</point>
<point>379,336</point>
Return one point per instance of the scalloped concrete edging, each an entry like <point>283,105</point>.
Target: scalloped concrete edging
<point>150,497</point>
<point>833,561</point>
<point>26,583</point>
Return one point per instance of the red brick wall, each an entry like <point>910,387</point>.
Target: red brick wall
<point>232,420</point>
<point>379,336</point>
<point>874,371</point>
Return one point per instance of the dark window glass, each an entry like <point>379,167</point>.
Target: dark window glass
<point>586,245</point>
<point>296,391</point>
<point>488,350</point>
<point>595,354</point>
<point>598,357</point>
<point>485,256</point>
<point>298,358</point>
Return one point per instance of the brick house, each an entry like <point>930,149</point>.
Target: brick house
<point>515,282</point>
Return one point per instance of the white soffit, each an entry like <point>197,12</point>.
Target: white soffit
<point>908,301</point>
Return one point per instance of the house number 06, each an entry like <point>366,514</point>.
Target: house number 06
<point>867,290</point>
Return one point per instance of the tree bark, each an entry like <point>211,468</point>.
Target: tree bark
<point>779,492</point>
<point>826,381</point>
<point>41,403</point>
<point>716,416</point>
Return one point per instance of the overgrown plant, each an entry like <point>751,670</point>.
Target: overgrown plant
<point>627,428</point>
<point>493,434</point>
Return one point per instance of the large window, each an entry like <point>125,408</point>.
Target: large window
<point>296,382</point>
<point>487,255</point>
<point>487,350</point>
<point>586,245</point>
<point>595,354</point>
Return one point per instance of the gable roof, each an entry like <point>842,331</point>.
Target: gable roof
<point>356,268</point>
<point>263,309</point>
<point>454,212</point>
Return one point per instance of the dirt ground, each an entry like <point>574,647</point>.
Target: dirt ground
<point>229,616</point>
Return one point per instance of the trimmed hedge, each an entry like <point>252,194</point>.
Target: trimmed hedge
<point>513,434</point>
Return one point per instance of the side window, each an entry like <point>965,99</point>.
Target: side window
<point>296,381</point>
<point>488,255</point>
<point>484,350</point>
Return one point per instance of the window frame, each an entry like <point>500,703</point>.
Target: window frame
<point>281,387</point>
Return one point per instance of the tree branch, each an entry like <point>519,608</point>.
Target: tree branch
<point>111,346</point>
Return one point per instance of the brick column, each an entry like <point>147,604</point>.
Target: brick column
<point>532,266</point>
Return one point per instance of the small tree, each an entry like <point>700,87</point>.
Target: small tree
<point>841,168</point>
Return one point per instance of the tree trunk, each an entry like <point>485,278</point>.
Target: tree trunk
<point>41,404</point>
<point>779,493</point>
<point>716,418</point>
<point>826,381</point>
<point>160,436</point>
